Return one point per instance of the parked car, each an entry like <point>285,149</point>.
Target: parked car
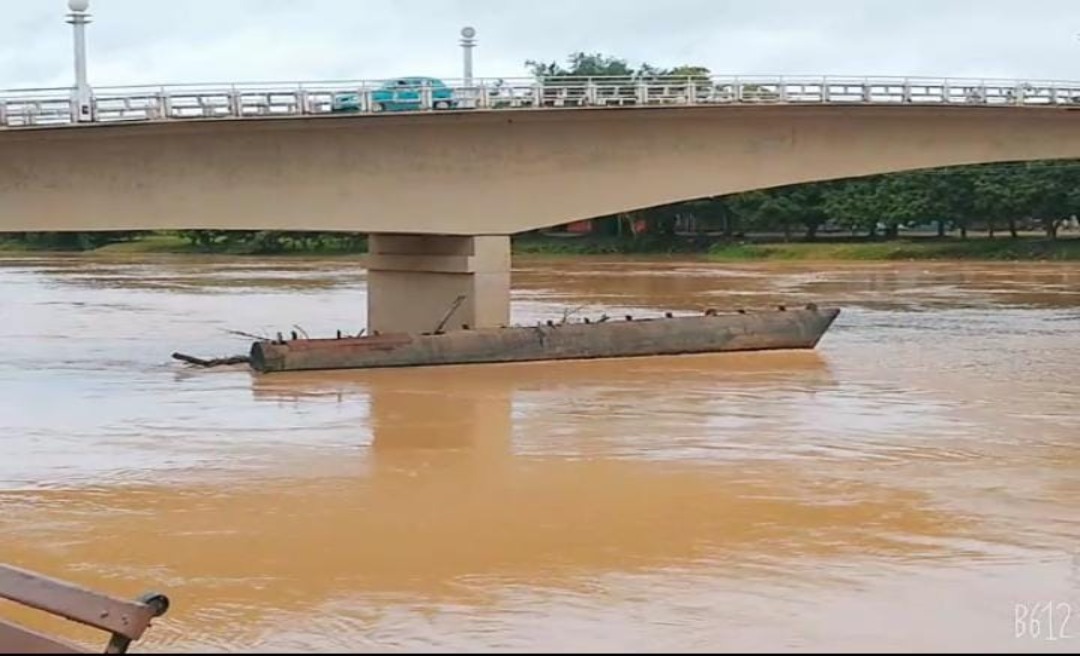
<point>399,95</point>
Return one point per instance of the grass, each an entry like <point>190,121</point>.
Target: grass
<point>156,243</point>
<point>952,249</point>
<point>591,245</point>
<point>166,243</point>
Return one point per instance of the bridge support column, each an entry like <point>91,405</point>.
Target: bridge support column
<point>414,280</point>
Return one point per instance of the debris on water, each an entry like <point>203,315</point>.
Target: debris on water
<point>212,362</point>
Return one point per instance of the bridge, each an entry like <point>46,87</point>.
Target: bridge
<point>442,186</point>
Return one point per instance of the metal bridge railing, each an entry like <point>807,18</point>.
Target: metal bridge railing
<point>45,107</point>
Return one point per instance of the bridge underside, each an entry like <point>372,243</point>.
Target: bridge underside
<point>480,173</point>
<point>479,176</point>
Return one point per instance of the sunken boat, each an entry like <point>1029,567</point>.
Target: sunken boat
<point>711,332</point>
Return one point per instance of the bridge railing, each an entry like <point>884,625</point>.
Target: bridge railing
<point>45,107</point>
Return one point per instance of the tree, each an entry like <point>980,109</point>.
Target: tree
<point>997,197</point>
<point>582,64</point>
<point>1051,192</point>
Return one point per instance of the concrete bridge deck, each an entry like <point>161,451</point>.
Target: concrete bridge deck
<point>27,108</point>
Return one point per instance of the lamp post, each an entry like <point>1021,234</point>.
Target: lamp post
<point>468,42</point>
<point>78,19</point>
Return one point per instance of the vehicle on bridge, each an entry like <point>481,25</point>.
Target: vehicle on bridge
<point>400,95</point>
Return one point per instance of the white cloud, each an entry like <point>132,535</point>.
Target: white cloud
<point>154,42</point>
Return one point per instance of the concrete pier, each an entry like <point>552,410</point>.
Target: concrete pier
<point>414,281</point>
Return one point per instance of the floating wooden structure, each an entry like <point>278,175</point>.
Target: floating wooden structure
<point>607,338</point>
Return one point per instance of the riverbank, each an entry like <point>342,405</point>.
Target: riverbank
<point>1025,248</point>
<point>171,244</point>
<point>950,248</point>
<point>978,249</point>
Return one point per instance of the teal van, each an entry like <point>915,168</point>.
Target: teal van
<point>399,95</point>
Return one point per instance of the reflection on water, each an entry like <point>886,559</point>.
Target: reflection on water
<point>902,487</point>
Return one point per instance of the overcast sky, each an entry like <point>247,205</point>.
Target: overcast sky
<point>172,41</point>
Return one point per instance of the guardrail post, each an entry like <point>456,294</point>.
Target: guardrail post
<point>234,104</point>
<point>302,100</point>
<point>691,93</point>
<point>906,91</point>
<point>538,95</point>
<point>591,96</point>
<point>3,113</point>
<point>642,92</point>
<point>425,97</point>
<point>464,97</point>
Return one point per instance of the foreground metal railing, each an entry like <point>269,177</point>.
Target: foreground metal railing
<point>46,107</point>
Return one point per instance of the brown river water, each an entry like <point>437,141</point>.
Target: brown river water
<point>913,484</point>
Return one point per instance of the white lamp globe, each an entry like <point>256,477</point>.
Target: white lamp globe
<point>467,32</point>
<point>78,6</point>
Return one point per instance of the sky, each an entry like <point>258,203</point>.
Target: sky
<point>185,41</point>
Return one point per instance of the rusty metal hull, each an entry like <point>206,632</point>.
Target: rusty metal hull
<point>757,331</point>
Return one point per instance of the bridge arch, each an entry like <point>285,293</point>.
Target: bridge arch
<point>481,173</point>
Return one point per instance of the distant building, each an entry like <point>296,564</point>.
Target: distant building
<point>580,227</point>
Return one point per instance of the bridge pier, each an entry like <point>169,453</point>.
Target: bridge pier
<point>414,280</point>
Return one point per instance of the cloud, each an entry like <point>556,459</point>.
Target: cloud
<point>141,42</point>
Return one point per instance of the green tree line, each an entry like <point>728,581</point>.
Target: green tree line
<point>996,198</point>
